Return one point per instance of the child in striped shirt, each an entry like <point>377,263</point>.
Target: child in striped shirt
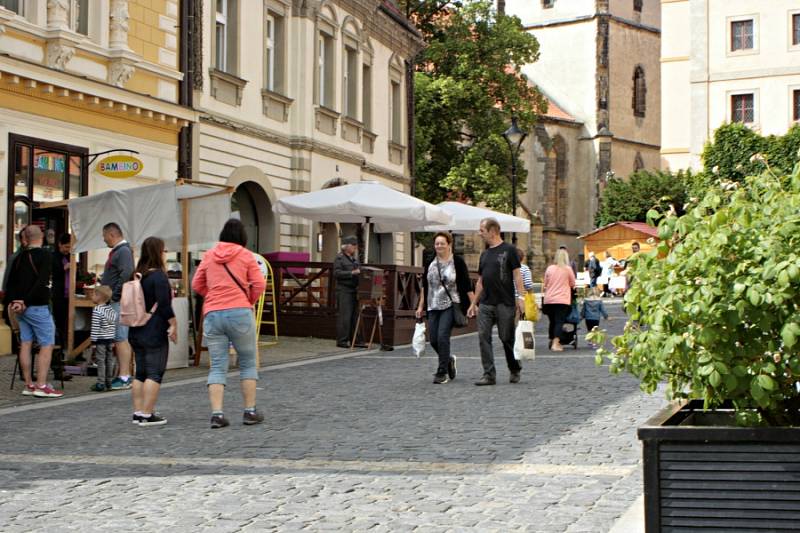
<point>103,329</point>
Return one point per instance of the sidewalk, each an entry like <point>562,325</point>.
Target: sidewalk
<point>288,349</point>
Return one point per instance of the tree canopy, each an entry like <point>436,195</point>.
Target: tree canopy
<point>630,199</point>
<point>468,83</point>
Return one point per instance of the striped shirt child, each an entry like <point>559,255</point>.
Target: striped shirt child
<point>104,319</point>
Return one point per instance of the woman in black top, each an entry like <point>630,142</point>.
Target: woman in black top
<point>150,342</point>
<point>445,284</point>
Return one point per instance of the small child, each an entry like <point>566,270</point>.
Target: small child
<point>593,309</point>
<point>103,329</point>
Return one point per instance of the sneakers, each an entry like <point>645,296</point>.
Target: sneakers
<point>153,420</point>
<point>28,390</point>
<point>486,380</point>
<point>47,392</point>
<point>251,418</point>
<point>136,418</point>
<point>514,377</point>
<point>122,384</point>
<point>451,367</point>
<point>439,379</point>
<point>98,387</point>
<point>219,421</point>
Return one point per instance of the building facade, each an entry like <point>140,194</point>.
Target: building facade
<point>599,67</point>
<point>296,96</point>
<point>726,61</point>
<point>79,78</point>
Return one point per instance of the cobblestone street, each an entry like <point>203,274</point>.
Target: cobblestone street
<point>359,443</point>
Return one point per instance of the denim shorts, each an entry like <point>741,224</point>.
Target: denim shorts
<point>222,328</point>
<point>120,330</point>
<point>37,322</point>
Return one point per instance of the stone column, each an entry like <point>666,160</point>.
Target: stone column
<point>118,26</point>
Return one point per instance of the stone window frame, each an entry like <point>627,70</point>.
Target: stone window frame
<point>743,92</point>
<point>729,22</point>
<point>639,100</point>
<point>794,105</point>
<point>794,30</point>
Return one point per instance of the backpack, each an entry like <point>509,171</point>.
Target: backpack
<point>132,311</point>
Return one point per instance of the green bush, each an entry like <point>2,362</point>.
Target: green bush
<point>630,199</point>
<point>715,310</point>
<point>731,153</point>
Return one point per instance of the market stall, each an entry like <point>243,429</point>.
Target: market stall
<point>186,214</point>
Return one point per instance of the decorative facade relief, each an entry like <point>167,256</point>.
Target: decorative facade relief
<point>119,73</point>
<point>118,28</point>
<point>57,14</point>
<point>59,54</point>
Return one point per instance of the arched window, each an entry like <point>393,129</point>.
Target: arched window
<point>639,92</point>
<point>561,186</point>
<point>637,5</point>
<point>638,162</point>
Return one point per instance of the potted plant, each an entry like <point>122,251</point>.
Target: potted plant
<point>84,279</point>
<point>714,312</point>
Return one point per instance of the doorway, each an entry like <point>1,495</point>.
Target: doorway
<point>251,205</point>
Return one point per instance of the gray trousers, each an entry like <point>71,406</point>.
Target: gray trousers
<point>106,362</point>
<point>504,316</point>
<point>346,315</point>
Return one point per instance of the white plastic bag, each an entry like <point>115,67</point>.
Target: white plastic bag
<point>418,341</point>
<point>524,341</point>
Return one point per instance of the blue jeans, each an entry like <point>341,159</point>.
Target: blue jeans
<point>440,325</point>
<point>221,329</point>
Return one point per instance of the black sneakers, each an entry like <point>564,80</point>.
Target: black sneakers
<point>451,367</point>
<point>438,379</point>
<point>252,417</point>
<point>219,421</point>
<point>514,377</point>
<point>486,380</point>
<point>152,420</point>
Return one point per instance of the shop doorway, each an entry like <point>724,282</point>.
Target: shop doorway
<point>252,206</point>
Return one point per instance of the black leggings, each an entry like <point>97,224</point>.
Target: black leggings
<point>150,362</point>
<point>557,315</point>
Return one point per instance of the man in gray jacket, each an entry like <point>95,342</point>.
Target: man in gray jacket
<point>118,270</point>
<point>346,270</point>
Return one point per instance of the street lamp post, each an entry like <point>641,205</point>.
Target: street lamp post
<point>514,137</point>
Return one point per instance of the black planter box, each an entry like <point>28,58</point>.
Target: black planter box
<point>702,473</point>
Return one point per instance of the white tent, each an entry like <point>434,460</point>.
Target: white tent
<point>467,219</point>
<point>363,202</point>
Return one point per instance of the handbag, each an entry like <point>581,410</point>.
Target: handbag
<point>531,309</point>
<point>459,318</point>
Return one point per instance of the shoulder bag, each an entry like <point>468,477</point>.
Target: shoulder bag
<point>459,319</point>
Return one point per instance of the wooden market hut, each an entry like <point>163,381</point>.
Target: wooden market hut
<point>617,238</point>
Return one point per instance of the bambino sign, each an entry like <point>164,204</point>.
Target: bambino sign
<point>119,166</point>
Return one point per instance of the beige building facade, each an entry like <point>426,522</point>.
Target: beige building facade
<point>599,67</point>
<point>296,96</point>
<point>80,78</point>
<point>726,61</point>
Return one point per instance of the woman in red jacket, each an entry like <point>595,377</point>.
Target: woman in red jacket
<point>230,281</point>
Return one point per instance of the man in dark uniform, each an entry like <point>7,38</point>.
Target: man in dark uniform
<point>346,270</point>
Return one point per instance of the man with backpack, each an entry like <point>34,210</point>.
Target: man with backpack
<point>118,270</point>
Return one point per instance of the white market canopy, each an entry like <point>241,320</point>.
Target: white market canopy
<point>366,201</point>
<point>467,219</point>
<point>151,210</point>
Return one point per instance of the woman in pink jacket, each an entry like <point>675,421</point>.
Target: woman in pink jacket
<point>559,280</point>
<point>230,281</point>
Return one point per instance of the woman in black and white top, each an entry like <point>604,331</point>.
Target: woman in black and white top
<point>446,284</point>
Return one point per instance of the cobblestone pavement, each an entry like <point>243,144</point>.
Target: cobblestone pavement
<point>360,443</point>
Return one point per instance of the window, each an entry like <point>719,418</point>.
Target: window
<point>796,105</point>
<point>225,50</point>
<point>366,96</point>
<point>638,162</point>
<point>325,70</point>
<point>269,30</point>
<point>743,108</point>
<point>395,113</point>
<point>79,16</point>
<point>350,82</point>
<point>639,92</point>
<point>17,6</point>
<point>637,6</point>
<point>548,3</point>
<point>742,35</point>
<point>796,29</point>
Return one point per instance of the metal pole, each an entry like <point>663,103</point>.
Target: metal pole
<point>513,192</point>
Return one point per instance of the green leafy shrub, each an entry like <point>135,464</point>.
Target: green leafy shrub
<point>715,310</point>
<point>630,199</point>
<point>730,153</point>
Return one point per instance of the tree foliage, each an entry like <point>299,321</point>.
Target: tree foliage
<point>715,310</point>
<point>468,83</point>
<point>736,151</point>
<point>630,199</point>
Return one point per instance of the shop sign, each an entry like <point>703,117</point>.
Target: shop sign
<point>119,166</point>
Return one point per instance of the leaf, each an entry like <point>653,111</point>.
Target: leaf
<point>765,382</point>
<point>715,379</point>
<point>789,334</point>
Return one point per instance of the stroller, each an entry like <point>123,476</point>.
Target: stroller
<point>569,331</point>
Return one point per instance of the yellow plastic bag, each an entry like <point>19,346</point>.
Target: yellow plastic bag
<point>531,309</point>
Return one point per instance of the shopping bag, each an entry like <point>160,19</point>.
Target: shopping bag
<point>524,341</point>
<point>531,309</point>
<point>418,341</point>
